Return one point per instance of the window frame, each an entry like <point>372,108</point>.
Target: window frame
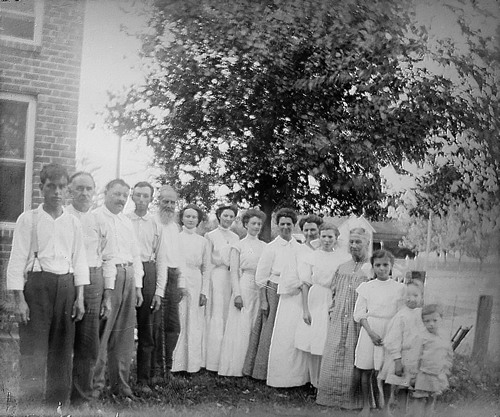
<point>39,7</point>
<point>29,147</point>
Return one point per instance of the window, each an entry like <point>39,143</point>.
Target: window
<point>17,130</point>
<point>21,20</point>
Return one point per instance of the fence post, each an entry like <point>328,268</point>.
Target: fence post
<point>413,275</point>
<point>483,323</point>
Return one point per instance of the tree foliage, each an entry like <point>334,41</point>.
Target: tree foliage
<point>296,102</point>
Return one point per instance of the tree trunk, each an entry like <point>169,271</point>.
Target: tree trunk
<point>267,208</point>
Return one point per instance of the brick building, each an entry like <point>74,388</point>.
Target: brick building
<point>41,48</point>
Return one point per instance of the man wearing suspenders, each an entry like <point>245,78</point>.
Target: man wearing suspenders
<point>122,271</point>
<point>96,296</point>
<point>48,247</point>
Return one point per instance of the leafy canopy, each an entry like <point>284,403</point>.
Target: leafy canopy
<point>289,102</point>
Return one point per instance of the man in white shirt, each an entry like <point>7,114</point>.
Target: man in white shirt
<point>48,249</point>
<point>97,298</point>
<point>122,271</point>
<point>170,274</point>
<point>147,231</point>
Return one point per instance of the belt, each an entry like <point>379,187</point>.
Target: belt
<point>95,268</point>
<point>124,264</point>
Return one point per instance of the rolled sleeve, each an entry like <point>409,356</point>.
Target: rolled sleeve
<point>19,255</point>
<point>360,309</point>
<point>80,265</point>
<point>109,273</point>
<point>264,266</point>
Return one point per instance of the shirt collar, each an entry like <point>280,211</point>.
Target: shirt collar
<point>189,231</point>
<point>134,216</point>
<point>284,242</point>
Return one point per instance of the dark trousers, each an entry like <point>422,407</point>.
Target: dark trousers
<point>87,339</point>
<point>171,326</point>
<point>46,342</point>
<point>116,347</point>
<point>148,327</point>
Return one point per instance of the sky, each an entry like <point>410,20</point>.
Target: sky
<point>108,60</point>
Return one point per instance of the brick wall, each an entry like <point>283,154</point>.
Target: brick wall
<point>49,72</point>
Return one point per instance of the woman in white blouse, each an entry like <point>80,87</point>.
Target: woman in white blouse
<point>220,242</point>
<point>244,304</point>
<point>188,355</point>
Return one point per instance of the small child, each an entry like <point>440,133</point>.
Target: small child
<point>434,364</point>
<point>402,342</point>
<point>377,303</point>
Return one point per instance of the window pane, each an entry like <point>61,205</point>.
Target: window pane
<point>11,190</point>
<point>17,18</point>
<point>12,128</point>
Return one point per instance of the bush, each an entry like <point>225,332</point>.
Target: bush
<point>473,381</point>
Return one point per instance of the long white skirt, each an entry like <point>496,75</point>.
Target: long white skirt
<point>288,366</point>
<point>188,351</point>
<point>311,338</point>
<point>238,327</point>
<point>220,297</point>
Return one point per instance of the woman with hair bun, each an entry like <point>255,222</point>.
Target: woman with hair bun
<point>220,242</point>
<point>188,354</point>
<point>244,304</point>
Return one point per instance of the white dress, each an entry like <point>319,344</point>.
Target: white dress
<point>188,351</point>
<point>317,270</point>
<point>244,258</point>
<point>288,366</point>
<point>220,243</point>
<point>378,302</point>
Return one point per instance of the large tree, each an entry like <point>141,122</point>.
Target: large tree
<point>289,102</point>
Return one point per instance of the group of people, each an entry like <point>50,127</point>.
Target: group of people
<point>284,312</point>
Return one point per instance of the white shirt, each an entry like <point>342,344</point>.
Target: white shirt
<point>93,235</point>
<point>147,232</point>
<point>121,246</point>
<point>60,248</point>
<point>278,258</point>
<point>168,255</point>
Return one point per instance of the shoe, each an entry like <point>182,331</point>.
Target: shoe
<point>127,394</point>
<point>144,389</point>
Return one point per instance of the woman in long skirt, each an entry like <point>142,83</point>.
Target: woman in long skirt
<point>276,257</point>
<point>338,380</point>
<point>188,351</point>
<point>220,242</point>
<point>244,304</point>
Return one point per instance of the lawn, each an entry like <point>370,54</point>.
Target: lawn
<point>474,388</point>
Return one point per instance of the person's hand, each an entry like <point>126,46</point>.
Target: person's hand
<point>138,297</point>
<point>264,307</point>
<point>238,302</point>
<point>398,367</point>
<point>307,317</point>
<point>155,304</point>
<point>182,292</point>
<point>105,310</point>
<point>376,339</point>
<point>78,309</point>
<point>203,300</point>
<point>23,311</point>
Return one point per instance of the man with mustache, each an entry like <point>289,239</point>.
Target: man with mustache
<point>97,297</point>
<point>169,273</point>
<point>122,271</point>
<point>48,250</point>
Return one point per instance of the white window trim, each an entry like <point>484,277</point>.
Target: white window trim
<point>29,145</point>
<point>37,34</point>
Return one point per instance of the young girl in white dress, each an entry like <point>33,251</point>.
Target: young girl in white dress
<point>316,274</point>
<point>188,355</point>
<point>377,303</point>
<point>244,304</point>
<point>402,342</point>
